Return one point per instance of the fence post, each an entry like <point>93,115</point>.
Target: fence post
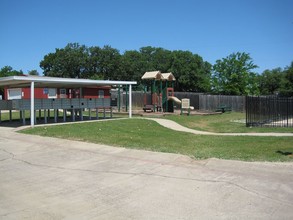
<point>119,98</point>
<point>246,111</point>
<point>126,100</point>
<point>287,112</point>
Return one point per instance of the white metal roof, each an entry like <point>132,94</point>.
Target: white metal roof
<point>43,81</point>
<point>152,75</point>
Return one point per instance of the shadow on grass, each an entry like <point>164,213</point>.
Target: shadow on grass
<point>15,123</point>
<point>285,153</point>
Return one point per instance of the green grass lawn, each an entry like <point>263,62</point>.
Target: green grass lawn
<point>224,123</point>
<point>148,135</point>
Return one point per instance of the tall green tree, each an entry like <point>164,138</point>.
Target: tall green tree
<point>191,72</point>
<point>67,62</point>
<point>79,61</point>
<point>33,73</point>
<point>132,66</point>
<point>136,63</point>
<point>270,81</point>
<point>234,75</point>
<point>109,63</point>
<point>104,63</point>
<point>287,86</point>
<point>9,71</point>
<point>156,58</point>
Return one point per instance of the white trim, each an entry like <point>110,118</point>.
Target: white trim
<point>101,93</point>
<point>11,80</point>
<point>62,93</point>
<point>16,90</point>
<point>53,96</point>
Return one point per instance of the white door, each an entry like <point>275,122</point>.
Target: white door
<point>14,94</point>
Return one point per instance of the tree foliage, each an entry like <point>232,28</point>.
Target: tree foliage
<point>9,71</point>
<point>33,73</point>
<point>191,72</point>
<point>79,61</point>
<point>233,75</point>
<point>277,81</point>
<point>270,82</point>
<point>287,86</point>
<point>67,62</point>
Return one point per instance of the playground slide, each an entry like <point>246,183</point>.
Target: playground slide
<point>175,99</point>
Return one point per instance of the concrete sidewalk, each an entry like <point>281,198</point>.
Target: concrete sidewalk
<point>177,127</point>
<point>50,178</point>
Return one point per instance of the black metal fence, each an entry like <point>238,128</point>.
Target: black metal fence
<point>269,111</point>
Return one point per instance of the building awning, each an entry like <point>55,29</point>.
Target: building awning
<point>56,82</point>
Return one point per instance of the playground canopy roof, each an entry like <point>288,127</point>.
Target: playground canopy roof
<point>55,82</point>
<point>168,76</point>
<point>157,75</point>
<point>152,75</point>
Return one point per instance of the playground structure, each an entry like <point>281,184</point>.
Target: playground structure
<point>161,86</point>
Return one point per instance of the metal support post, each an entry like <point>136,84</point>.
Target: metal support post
<point>64,115</point>
<point>81,114</point>
<point>126,104</point>
<point>10,115</point>
<point>119,99</point>
<point>40,114</point>
<point>32,104</point>
<point>130,101</point>
<point>73,114</point>
<point>45,116</point>
<point>55,115</point>
<point>23,117</point>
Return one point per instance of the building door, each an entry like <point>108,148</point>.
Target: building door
<point>14,94</point>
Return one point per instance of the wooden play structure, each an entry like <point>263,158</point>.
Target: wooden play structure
<point>161,88</point>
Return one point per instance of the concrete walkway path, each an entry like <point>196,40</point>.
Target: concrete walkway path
<point>51,178</point>
<point>177,127</point>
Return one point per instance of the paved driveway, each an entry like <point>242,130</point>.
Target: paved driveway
<point>48,178</point>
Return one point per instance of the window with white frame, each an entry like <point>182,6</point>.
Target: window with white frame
<point>101,94</point>
<point>63,93</point>
<point>52,93</point>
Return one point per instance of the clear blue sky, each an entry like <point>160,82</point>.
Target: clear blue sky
<point>30,29</point>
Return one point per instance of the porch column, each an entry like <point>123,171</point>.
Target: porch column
<point>32,104</point>
<point>130,101</point>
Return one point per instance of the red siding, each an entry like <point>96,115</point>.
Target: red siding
<point>39,93</point>
<point>94,92</point>
<point>70,93</point>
